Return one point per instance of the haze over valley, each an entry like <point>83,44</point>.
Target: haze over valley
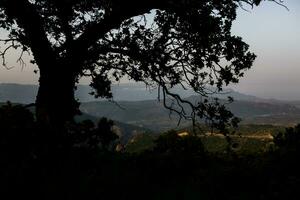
<point>136,105</point>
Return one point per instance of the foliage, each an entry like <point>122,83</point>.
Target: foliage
<point>180,43</point>
<point>100,137</point>
<point>177,168</point>
<point>218,116</point>
<point>248,140</point>
<point>140,143</point>
<point>17,133</point>
<point>172,143</point>
<point>19,130</point>
<point>15,117</point>
<point>290,138</point>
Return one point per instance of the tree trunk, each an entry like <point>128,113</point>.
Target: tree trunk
<point>55,102</point>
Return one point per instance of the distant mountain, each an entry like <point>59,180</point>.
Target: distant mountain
<point>18,93</point>
<point>256,107</point>
<point>27,93</point>
<point>138,106</point>
<point>122,92</point>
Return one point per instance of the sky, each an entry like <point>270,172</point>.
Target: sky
<point>273,34</point>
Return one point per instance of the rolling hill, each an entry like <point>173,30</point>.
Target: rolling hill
<point>138,106</point>
<point>152,115</point>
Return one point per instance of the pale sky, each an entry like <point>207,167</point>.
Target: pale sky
<point>273,34</point>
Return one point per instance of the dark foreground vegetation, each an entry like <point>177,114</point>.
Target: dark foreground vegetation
<point>83,163</point>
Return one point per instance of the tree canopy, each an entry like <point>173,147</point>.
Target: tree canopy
<point>163,43</point>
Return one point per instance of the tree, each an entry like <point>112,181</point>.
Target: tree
<point>185,43</point>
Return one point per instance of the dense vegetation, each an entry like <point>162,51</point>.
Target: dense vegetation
<point>84,164</point>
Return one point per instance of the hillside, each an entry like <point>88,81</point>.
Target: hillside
<point>152,115</point>
<point>123,130</point>
<point>147,114</point>
<point>138,106</point>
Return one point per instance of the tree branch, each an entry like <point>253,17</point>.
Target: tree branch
<point>26,15</point>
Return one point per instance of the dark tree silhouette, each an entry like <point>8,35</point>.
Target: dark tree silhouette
<point>185,43</point>
<point>86,134</point>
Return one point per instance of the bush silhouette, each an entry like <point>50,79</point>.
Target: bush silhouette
<point>288,140</point>
<point>16,131</point>
<point>172,143</point>
<point>86,134</point>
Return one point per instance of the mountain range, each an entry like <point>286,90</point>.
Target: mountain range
<point>138,106</point>
<point>122,92</point>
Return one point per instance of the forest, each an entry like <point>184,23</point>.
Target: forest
<point>189,138</point>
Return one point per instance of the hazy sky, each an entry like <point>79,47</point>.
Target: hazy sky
<point>273,34</point>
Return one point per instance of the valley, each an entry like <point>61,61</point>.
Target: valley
<point>141,118</point>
